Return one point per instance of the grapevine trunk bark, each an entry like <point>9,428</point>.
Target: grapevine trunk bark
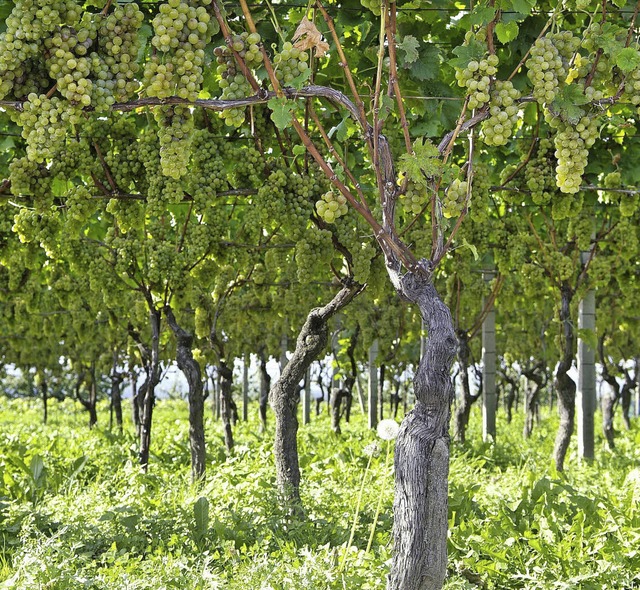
<point>531,396</point>
<point>227,405</point>
<point>284,393</point>
<point>265,386</point>
<point>191,370</point>
<point>465,402</point>
<point>565,386</point>
<point>422,449</point>
<point>116,397</point>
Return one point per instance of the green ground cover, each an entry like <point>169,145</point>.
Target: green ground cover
<point>76,513</point>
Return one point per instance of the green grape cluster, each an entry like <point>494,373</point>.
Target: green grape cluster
<point>503,110</point>
<point>313,253</point>
<point>128,214</point>
<point>45,123</point>
<point>28,24</point>
<point>271,201</point>
<point>628,204</point>
<point>539,174</point>
<point>580,229</point>
<point>372,5</point>
<point>181,32</point>
<point>114,66</point>
<point>455,199</point>
<point>545,70</point>
<point>300,194</point>
<point>79,206</point>
<point>162,189</point>
<point>481,188</point>
<point>29,178</point>
<point>69,64</point>
<point>74,160</point>
<point>414,198</point>
<point>572,152</point>
<point>175,125</point>
<point>290,63</point>
<point>207,175</point>
<point>331,206</point>
<point>632,87</point>
<point>232,81</point>
<point>476,78</point>
<point>612,180</point>
<point>567,44</point>
<point>360,247</point>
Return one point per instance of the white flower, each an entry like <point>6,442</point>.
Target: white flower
<point>371,450</point>
<point>388,429</point>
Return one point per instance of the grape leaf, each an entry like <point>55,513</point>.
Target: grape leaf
<point>523,6</point>
<point>428,66</point>
<point>425,160</point>
<point>410,47</point>
<point>628,59</point>
<point>280,112</point>
<point>473,51</point>
<point>567,104</point>
<point>507,31</point>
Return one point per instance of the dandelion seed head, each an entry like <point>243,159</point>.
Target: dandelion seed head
<point>388,429</point>
<point>371,450</point>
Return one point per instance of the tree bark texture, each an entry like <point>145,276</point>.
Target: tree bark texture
<point>537,378</point>
<point>565,386</point>
<point>146,394</point>
<point>511,384</point>
<point>284,393</point>
<point>227,405</point>
<point>191,370</point>
<point>88,403</point>
<point>465,402</point>
<point>265,386</point>
<point>45,400</point>
<point>608,399</point>
<point>116,394</point>
<point>422,449</point>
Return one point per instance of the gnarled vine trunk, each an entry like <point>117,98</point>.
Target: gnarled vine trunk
<point>463,408</point>
<point>227,405</point>
<point>422,449</point>
<point>145,396</point>
<point>265,385</point>
<point>116,395</point>
<point>284,393</point>
<point>191,370</point>
<point>532,393</point>
<point>565,386</point>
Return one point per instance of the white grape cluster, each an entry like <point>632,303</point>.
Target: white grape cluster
<point>415,197</point>
<point>313,253</point>
<point>175,125</point>
<point>539,174</point>
<point>373,5</point>
<point>181,32</point>
<point>45,123</point>
<point>455,199</point>
<point>114,65</point>
<point>572,145</point>
<point>331,206</point>
<point>545,70</point>
<point>29,178</point>
<point>503,112</point>
<point>290,63</point>
<point>69,64</point>
<point>28,24</point>
<point>233,83</point>
<point>476,78</point>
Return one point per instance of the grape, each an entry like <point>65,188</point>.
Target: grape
<point>572,152</point>
<point>372,5</point>
<point>539,174</point>
<point>476,78</point>
<point>313,251</point>
<point>45,123</point>
<point>414,198</point>
<point>233,83</point>
<point>545,70</point>
<point>331,206</point>
<point>504,113</point>
<point>455,198</point>
<point>181,32</point>
<point>290,63</point>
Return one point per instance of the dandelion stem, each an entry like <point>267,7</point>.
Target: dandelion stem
<point>375,518</point>
<point>355,516</point>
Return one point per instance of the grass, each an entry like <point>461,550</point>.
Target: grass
<point>77,513</point>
